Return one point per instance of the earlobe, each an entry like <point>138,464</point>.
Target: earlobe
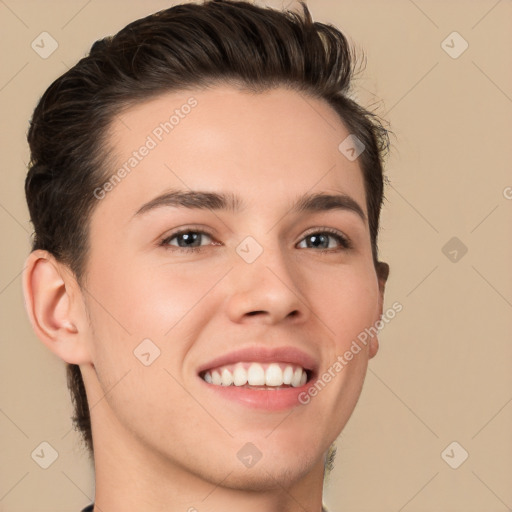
<point>51,307</point>
<point>374,347</point>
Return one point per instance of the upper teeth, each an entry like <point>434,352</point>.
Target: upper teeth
<point>256,374</point>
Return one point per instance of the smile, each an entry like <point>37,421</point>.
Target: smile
<point>274,375</point>
<point>259,377</point>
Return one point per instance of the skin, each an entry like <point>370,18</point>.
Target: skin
<point>160,442</point>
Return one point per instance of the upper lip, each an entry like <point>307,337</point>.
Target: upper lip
<point>263,354</point>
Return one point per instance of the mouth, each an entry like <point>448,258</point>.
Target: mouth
<point>255,375</point>
<point>260,377</point>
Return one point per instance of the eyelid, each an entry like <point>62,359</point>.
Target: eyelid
<point>165,241</point>
<point>185,229</point>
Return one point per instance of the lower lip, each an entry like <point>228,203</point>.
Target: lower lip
<point>269,400</point>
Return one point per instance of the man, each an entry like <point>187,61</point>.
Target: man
<point>206,200</point>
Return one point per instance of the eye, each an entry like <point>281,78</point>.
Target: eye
<point>188,240</point>
<point>320,239</point>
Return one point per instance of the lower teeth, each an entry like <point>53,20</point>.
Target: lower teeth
<point>265,387</point>
<point>248,386</point>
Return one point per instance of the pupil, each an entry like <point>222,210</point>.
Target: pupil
<point>188,237</point>
<point>315,237</point>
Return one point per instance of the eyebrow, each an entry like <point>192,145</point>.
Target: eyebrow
<point>196,199</point>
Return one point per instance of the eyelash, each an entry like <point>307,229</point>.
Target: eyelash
<point>344,242</point>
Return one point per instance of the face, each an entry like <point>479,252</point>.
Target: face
<point>183,297</point>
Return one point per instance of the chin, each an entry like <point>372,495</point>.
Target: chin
<point>270,475</point>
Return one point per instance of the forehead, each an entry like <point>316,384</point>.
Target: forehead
<point>268,146</point>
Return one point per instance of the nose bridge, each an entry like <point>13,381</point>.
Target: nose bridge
<point>264,279</point>
<point>259,257</point>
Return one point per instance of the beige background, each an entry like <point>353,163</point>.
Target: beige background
<point>443,372</point>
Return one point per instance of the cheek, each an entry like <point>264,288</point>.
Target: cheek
<point>172,299</point>
<point>348,303</point>
<point>160,310</point>
<point>143,300</point>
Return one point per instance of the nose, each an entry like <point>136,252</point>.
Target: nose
<point>266,291</point>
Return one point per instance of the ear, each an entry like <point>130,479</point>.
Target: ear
<point>55,308</point>
<point>382,270</point>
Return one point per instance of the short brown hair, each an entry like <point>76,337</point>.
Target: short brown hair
<point>182,47</point>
